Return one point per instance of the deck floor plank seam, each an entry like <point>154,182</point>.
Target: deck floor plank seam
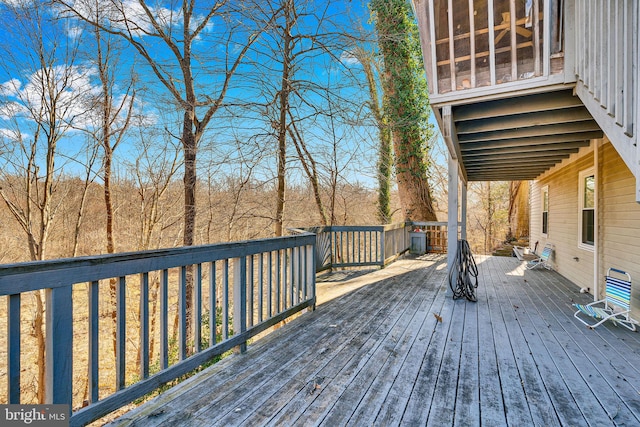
<point>284,368</point>
<point>337,374</point>
<point>393,408</point>
<point>546,354</point>
<point>589,366</point>
<point>369,407</point>
<point>511,381</point>
<point>377,355</point>
<point>394,346</point>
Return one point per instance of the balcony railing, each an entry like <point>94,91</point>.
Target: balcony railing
<point>359,246</point>
<point>238,290</point>
<point>114,312</point>
<point>468,45</point>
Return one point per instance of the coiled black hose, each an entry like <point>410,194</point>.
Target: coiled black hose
<point>465,268</point>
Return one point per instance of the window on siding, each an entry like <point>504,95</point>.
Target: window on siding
<point>587,205</point>
<point>545,210</point>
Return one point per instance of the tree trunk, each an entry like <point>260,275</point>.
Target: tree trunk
<point>519,209</point>
<point>406,105</point>
<point>385,156</point>
<point>282,124</point>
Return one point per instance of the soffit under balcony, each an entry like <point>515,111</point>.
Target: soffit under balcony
<point>519,138</point>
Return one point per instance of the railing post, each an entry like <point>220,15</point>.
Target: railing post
<point>452,227</point>
<point>13,348</point>
<point>310,274</point>
<point>240,299</point>
<point>382,248</point>
<point>59,346</point>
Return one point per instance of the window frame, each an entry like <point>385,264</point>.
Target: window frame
<point>545,223</point>
<point>582,176</point>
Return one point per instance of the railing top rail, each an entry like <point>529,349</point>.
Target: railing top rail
<point>30,276</point>
<point>430,223</point>
<point>345,228</point>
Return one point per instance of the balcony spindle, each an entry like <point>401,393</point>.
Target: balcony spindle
<point>13,348</point>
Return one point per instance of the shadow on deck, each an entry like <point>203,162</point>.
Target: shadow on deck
<point>374,353</point>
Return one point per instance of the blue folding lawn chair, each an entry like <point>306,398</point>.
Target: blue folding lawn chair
<point>616,306</point>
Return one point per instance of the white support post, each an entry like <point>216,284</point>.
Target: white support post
<point>452,227</point>
<point>637,118</point>
<point>596,206</point>
<point>463,210</point>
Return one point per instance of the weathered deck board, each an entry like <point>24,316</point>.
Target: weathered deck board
<point>377,355</point>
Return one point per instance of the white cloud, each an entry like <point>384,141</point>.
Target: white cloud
<point>11,134</point>
<point>74,32</point>
<point>129,15</point>
<point>10,88</point>
<point>349,58</point>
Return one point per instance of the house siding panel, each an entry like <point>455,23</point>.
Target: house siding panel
<point>563,222</point>
<point>618,220</point>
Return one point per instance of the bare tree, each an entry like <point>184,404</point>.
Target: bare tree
<point>298,104</point>
<point>371,70</point>
<point>37,113</point>
<point>166,40</point>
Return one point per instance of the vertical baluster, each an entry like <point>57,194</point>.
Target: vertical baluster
<point>212,304</point>
<point>59,346</point>
<point>164,319</point>
<point>536,35</point>
<point>611,71</point>
<point>197,310</point>
<point>514,40</point>
<point>298,270</point>
<point>311,272</point>
<point>278,281</point>
<point>472,43</point>
<point>452,52</point>
<point>270,285</point>
<point>182,313</point>
<point>225,300</point>
<point>144,325</point>
<point>434,85</point>
<point>240,298</point>
<point>618,108</point>
<point>630,92</point>
<point>260,286</point>
<point>492,43</point>
<point>285,282</point>
<point>94,348</point>
<point>250,292</point>
<point>13,348</point>
<point>121,333</point>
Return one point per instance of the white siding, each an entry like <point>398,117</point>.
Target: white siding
<point>569,260</point>
<point>618,220</point>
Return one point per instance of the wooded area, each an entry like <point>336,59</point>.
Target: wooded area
<point>126,126</point>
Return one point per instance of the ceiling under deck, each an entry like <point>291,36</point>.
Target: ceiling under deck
<point>520,138</point>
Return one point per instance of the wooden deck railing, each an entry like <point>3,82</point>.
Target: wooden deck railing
<point>473,46</point>
<point>377,245</point>
<point>358,246</point>
<point>240,288</point>
<point>436,235</point>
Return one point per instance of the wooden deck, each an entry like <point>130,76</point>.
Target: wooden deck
<point>378,355</point>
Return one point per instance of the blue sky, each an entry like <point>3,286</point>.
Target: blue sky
<point>19,89</point>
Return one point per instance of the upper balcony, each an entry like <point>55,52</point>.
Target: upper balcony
<point>477,48</point>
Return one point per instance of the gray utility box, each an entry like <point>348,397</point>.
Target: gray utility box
<point>418,240</point>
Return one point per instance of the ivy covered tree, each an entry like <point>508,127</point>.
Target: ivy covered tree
<point>406,104</point>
